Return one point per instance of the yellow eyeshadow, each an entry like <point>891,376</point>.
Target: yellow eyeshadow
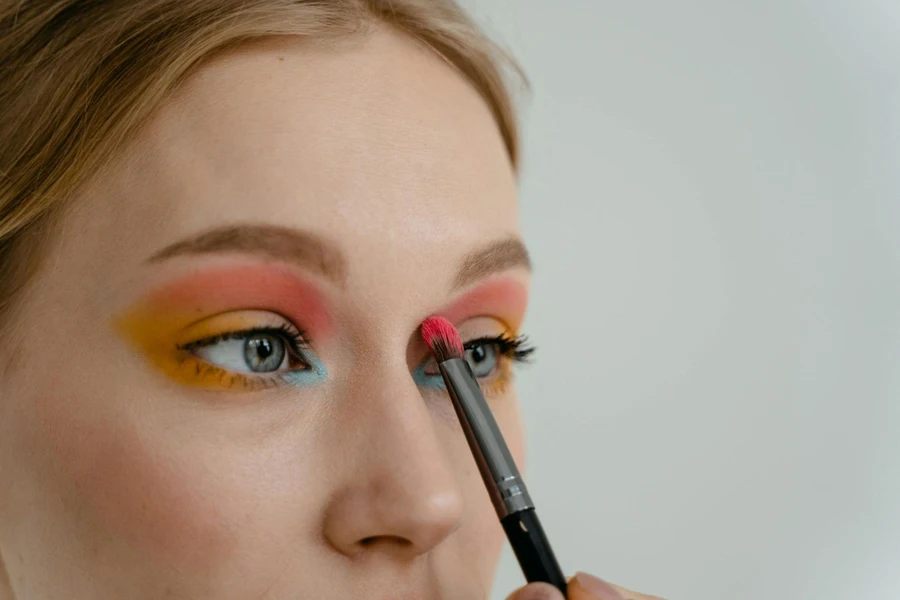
<point>160,335</point>
<point>223,324</point>
<point>498,384</point>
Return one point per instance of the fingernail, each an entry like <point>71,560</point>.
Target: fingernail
<point>539,591</point>
<point>598,587</point>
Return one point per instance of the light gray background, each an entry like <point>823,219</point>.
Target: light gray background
<point>710,192</point>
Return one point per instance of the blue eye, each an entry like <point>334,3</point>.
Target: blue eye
<point>251,352</point>
<point>482,358</point>
<point>484,355</point>
<point>258,358</point>
<point>264,352</point>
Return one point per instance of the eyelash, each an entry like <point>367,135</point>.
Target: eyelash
<point>509,350</point>
<point>516,348</point>
<point>296,339</point>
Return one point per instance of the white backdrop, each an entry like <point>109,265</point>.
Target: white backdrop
<point>710,192</point>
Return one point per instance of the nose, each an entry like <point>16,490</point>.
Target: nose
<point>399,496</point>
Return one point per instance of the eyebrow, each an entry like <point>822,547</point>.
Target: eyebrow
<point>498,256</point>
<point>323,257</point>
<point>302,247</point>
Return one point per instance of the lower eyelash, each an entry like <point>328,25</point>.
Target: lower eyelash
<point>498,384</point>
<point>201,372</point>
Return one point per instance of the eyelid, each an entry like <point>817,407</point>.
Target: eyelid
<point>287,331</point>
<point>238,322</point>
<point>518,345</point>
<point>247,285</point>
<point>502,299</point>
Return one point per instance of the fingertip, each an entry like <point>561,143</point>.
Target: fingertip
<point>537,591</point>
<point>587,587</point>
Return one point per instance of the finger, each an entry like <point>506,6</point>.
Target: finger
<point>536,591</point>
<point>588,587</point>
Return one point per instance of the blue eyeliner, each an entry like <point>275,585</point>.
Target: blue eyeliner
<point>315,374</point>
<point>424,380</point>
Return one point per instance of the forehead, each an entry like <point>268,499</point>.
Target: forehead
<point>375,143</point>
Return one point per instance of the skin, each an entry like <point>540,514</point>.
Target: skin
<point>121,477</point>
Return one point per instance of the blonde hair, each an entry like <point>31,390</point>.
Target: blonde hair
<point>80,77</point>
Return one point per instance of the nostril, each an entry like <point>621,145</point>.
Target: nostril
<point>381,539</point>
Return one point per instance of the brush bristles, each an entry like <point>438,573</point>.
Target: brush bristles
<point>442,338</point>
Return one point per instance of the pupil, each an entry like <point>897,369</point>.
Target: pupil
<point>263,348</point>
<point>478,353</point>
<point>263,353</point>
<point>482,358</point>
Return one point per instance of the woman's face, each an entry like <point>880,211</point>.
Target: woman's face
<point>216,387</point>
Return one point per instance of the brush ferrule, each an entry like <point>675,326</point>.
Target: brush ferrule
<point>496,464</point>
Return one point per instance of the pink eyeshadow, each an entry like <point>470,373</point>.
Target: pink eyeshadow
<point>505,298</point>
<point>249,288</point>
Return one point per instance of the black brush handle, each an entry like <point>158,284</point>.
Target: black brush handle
<point>528,541</point>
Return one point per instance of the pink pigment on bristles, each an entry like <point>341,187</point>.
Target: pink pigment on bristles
<point>442,338</point>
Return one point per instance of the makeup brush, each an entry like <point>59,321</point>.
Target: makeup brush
<point>498,469</point>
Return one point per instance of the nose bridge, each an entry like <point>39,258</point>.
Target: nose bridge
<point>391,416</point>
<point>402,445</point>
<point>402,494</point>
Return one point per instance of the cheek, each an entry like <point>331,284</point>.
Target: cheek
<point>509,418</point>
<point>158,505</point>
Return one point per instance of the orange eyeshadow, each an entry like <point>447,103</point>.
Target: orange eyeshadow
<point>215,303</point>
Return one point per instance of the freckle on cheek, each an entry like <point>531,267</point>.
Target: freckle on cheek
<point>155,506</point>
